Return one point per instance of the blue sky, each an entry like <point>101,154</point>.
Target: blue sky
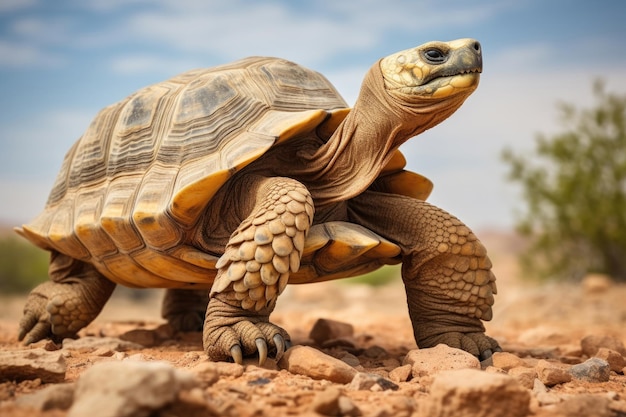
<point>61,61</point>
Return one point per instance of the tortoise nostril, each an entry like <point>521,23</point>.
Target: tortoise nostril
<point>477,46</point>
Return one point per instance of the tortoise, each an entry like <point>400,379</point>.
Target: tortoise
<point>225,184</point>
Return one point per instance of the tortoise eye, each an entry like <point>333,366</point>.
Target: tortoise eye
<point>435,56</point>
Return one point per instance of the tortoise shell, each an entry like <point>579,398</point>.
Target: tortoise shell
<point>147,166</point>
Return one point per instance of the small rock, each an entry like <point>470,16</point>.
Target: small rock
<point>596,283</point>
<point>585,405</point>
<point>543,336</point>
<point>206,372</point>
<point>21,365</point>
<point>506,361</point>
<point>439,358</point>
<point>91,343</point>
<point>364,381</point>
<point>591,344</point>
<point>453,393</point>
<point>525,376</point>
<point>347,407</point>
<point>401,373</point>
<point>305,360</point>
<point>615,360</point>
<point>539,387</point>
<point>326,402</point>
<point>55,396</point>
<point>551,374</point>
<point>326,329</point>
<point>350,359</point>
<point>592,370</point>
<point>375,352</point>
<point>143,337</point>
<point>103,352</point>
<point>128,389</point>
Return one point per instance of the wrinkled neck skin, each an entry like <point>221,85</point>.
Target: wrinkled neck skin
<point>366,140</point>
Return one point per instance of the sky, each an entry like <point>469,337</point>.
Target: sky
<point>62,61</point>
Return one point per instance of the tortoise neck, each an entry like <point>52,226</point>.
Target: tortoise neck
<point>351,160</point>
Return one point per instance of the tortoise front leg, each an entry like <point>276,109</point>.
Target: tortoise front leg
<point>255,269</point>
<point>445,269</point>
<point>72,298</point>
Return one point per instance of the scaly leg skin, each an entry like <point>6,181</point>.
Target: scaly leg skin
<point>59,308</point>
<point>445,269</point>
<point>254,270</point>
<point>184,310</point>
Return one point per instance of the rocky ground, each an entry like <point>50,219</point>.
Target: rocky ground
<point>563,355</point>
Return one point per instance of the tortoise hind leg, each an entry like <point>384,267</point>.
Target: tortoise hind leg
<point>254,270</point>
<point>184,309</point>
<point>72,298</point>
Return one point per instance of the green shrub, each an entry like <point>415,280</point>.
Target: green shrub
<point>22,265</point>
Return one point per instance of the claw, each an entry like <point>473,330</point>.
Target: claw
<point>486,355</point>
<point>279,341</point>
<point>237,355</point>
<point>261,347</point>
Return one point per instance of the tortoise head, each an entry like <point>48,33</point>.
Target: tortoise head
<point>436,70</point>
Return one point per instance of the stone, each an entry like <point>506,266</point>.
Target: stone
<point>595,284</point>
<point>471,392</point>
<point>29,364</point>
<point>592,370</point>
<point>401,373</point>
<point>363,381</point>
<point>91,343</point>
<point>326,329</point>
<point>143,337</point>
<point>206,372</point>
<point>54,396</point>
<point>615,360</point>
<point>585,405</point>
<point>592,343</point>
<point>128,389</point>
<point>525,376</point>
<point>305,360</point>
<point>506,361</point>
<point>326,402</point>
<point>551,374</point>
<point>439,358</point>
<point>350,359</point>
<point>374,352</point>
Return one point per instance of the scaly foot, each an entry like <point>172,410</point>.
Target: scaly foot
<point>231,332</point>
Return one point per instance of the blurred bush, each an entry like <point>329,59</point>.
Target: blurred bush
<point>22,265</point>
<point>574,188</point>
<point>381,276</point>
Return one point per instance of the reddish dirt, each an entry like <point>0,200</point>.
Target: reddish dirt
<point>530,320</point>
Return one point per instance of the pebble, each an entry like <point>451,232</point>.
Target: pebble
<point>592,343</point>
<point>592,370</point>
<point>128,389</point>
<point>55,396</point>
<point>551,374</point>
<point>350,359</point>
<point>585,405</point>
<point>143,337</point>
<point>615,360</point>
<point>596,284</point>
<point>401,373</point>
<point>305,360</point>
<point>525,376</point>
<point>326,402</point>
<point>365,381</point>
<point>91,343</point>
<point>32,364</point>
<point>439,358</point>
<point>507,361</point>
<point>455,392</point>
<point>326,329</point>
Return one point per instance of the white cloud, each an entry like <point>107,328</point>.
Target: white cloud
<point>13,5</point>
<point>21,55</point>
